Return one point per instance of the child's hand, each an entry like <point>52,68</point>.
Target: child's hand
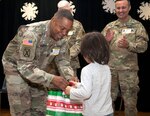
<point>67,90</point>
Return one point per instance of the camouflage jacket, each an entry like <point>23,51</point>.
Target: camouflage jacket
<point>121,58</point>
<point>30,51</point>
<point>74,40</point>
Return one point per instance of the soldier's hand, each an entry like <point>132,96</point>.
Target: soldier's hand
<point>109,35</point>
<point>60,82</point>
<point>123,43</point>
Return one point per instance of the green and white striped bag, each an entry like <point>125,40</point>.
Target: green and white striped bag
<point>59,104</point>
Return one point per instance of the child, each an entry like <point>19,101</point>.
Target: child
<point>95,87</point>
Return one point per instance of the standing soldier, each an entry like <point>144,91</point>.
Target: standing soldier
<point>127,37</point>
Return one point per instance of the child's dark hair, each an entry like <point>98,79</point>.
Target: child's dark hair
<point>95,47</point>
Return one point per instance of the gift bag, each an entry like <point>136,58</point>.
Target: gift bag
<point>59,104</point>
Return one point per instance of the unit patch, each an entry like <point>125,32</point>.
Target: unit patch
<point>26,52</point>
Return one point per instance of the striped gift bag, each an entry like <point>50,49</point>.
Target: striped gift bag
<point>59,104</point>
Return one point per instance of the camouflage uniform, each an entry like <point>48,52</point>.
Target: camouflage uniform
<point>74,40</point>
<point>25,60</point>
<point>124,62</point>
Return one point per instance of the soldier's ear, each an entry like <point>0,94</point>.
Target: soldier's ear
<point>54,21</point>
<point>129,7</point>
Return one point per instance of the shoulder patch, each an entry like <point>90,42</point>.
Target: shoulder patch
<point>27,42</point>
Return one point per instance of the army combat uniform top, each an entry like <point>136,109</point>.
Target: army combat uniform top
<point>134,31</point>
<point>74,40</point>
<point>30,51</point>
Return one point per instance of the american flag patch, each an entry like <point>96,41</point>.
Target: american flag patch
<point>27,42</point>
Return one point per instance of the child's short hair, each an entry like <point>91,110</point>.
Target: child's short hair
<point>95,47</point>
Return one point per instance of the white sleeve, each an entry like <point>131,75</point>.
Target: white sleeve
<point>84,90</point>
